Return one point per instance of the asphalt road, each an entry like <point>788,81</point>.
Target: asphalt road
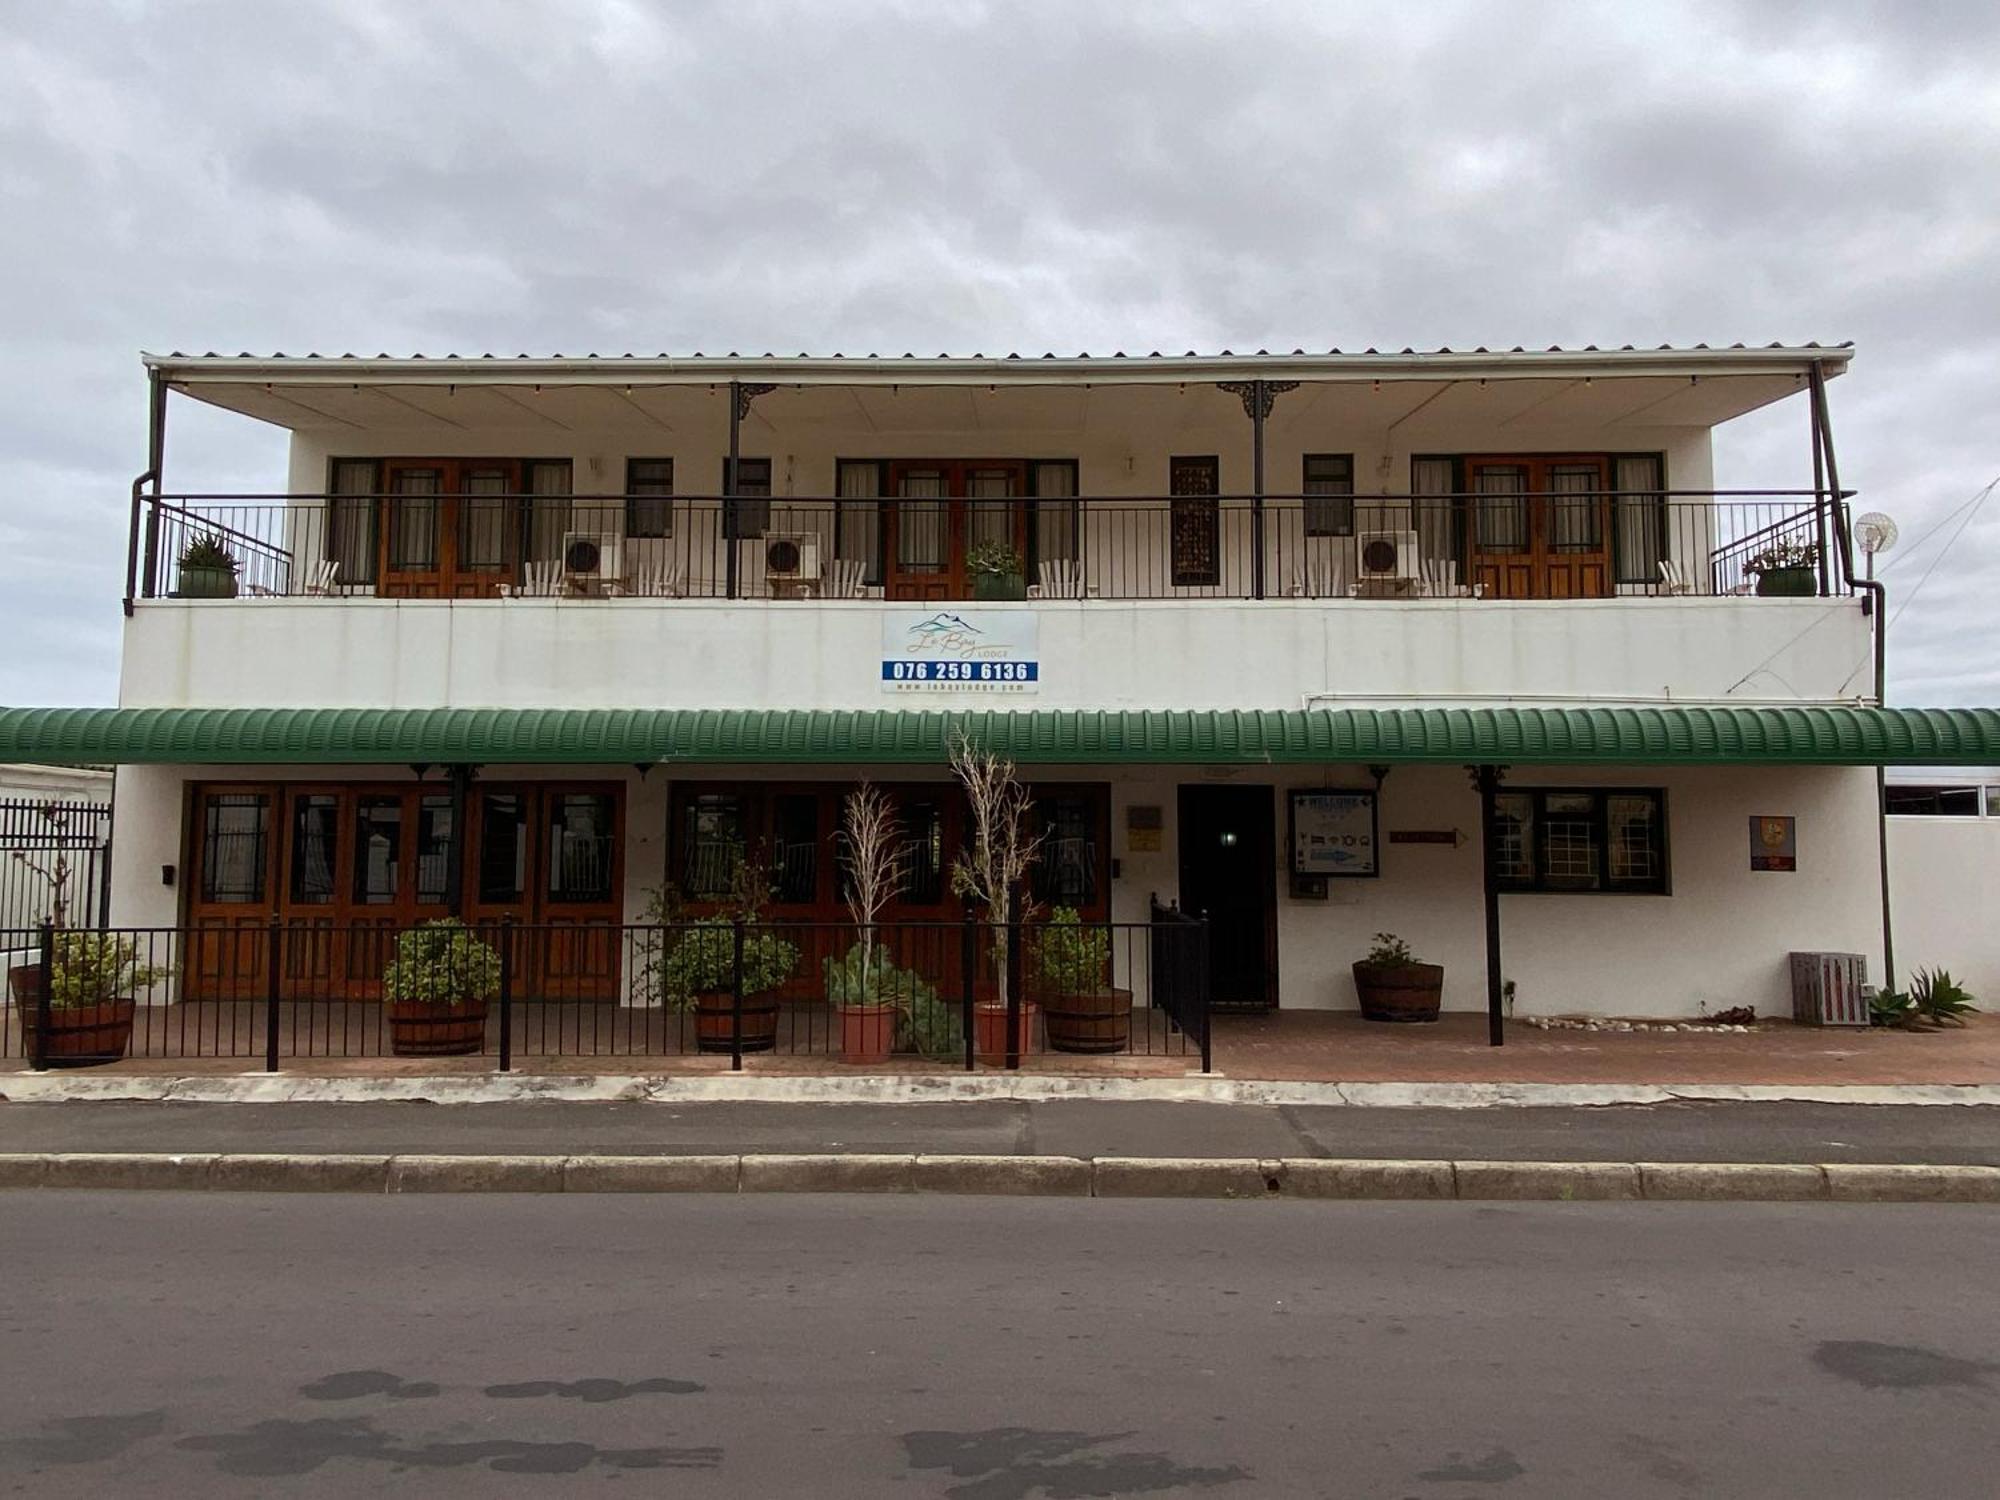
<point>992,1349</point>
<point>1780,1132</point>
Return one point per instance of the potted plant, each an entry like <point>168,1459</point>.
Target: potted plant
<point>698,973</point>
<point>865,987</point>
<point>1072,962</point>
<point>997,571</point>
<point>1393,986</point>
<point>94,978</point>
<point>988,873</point>
<point>1786,569</point>
<point>208,569</point>
<point>437,988</point>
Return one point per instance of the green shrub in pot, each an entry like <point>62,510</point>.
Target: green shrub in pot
<point>442,963</point>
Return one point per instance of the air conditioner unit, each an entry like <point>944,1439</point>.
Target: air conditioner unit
<point>587,556</point>
<point>791,556</point>
<point>1387,555</point>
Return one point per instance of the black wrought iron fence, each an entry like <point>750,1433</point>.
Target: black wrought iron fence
<point>953,994</point>
<point>55,865</point>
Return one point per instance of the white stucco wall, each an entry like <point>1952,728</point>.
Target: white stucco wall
<point>1718,940</point>
<point>655,653</point>
<point>1944,881</point>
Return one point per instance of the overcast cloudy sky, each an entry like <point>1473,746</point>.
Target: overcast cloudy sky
<point>490,175</point>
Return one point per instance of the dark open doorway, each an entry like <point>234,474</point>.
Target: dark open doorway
<point>1228,872</point>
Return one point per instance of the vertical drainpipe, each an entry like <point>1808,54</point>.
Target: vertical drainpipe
<point>1257,399</point>
<point>1877,605</point>
<point>1487,779</point>
<point>140,584</point>
<point>733,563</point>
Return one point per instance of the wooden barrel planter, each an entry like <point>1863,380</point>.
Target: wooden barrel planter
<point>989,1030</point>
<point>714,1019</point>
<point>78,1036</point>
<point>418,1028</point>
<point>1099,1022</point>
<point>867,1032</point>
<point>1399,992</point>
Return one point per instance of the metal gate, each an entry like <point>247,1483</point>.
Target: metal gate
<point>55,865</point>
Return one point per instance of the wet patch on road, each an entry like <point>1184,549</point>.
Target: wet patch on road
<point>593,1391</point>
<point>1497,1467</point>
<point>85,1440</point>
<point>284,1449</point>
<point>1898,1367</point>
<point>1014,1463</point>
<point>352,1385</point>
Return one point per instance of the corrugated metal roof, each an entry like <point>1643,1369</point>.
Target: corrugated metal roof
<point>1527,736</point>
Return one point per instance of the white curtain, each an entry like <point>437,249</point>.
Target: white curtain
<point>860,533</point>
<point>350,538</point>
<point>1641,516</point>
<point>1575,524</point>
<point>549,510</point>
<point>921,521</point>
<point>1432,517</point>
<point>1055,511</point>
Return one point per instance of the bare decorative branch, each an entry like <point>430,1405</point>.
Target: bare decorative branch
<point>877,861</point>
<point>1001,851</point>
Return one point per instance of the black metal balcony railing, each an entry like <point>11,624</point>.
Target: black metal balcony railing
<point>290,988</point>
<point>1535,545</point>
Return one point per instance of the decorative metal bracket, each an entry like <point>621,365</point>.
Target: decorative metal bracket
<point>1477,775</point>
<point>746,392</point>
<point>1257,393</point>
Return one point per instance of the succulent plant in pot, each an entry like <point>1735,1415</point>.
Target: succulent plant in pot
<point>1394,986</point>
<point>437,988</point>
<point>997,571</point>
<point>208,569</point>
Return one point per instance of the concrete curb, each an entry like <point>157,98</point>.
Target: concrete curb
<point>936,1088</point>
<point>1039,1176</point>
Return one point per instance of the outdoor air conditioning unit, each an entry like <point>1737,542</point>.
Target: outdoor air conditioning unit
<point>1387,557</point>
<point>590,557</point>
<point>791,557</point>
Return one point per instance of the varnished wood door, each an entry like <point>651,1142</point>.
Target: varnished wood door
<point>1540,527</point>
<point>451,528</point>
<point>940,508</point>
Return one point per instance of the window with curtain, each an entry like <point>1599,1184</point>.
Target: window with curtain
<point>923,520</point>
<point>1582,840</point>
<point>378,850</point>
<point>436,848</point>
<point>350,519</point>
<point>315,848</point>
<point>1639,508</point>
<point>1576,507</point>
<point>795,844</point>
<point>549,491</point>
<point>582,828</point>
<point>1432,481</point>
<point>503,847</point>
<point>1196,520</point>
<point>713,845</point>
<point>484,510</point>
<point>1328,485</point>
<point>649,490</point>
<point>859,533</point>
<point>1500,507</point>
<point>1072,824</point>
<point>1055,535</point>
<point>413,520</point>
<point>750,515</point>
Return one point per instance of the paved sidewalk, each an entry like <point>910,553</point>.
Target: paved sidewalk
<point>1712,1132</point>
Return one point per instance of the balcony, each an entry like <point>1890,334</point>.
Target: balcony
<point>1496,545</point>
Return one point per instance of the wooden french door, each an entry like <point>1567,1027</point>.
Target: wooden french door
<point>450,527</point>
<point>1540,527</point>
<point>345,866</point>
<point>940,508</point>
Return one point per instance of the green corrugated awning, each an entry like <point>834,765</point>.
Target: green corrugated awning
<point>592,736</point>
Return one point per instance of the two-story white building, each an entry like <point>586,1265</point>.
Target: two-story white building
<point>1317,645</point>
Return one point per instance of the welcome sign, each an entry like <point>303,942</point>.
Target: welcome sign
<point>948,650</point>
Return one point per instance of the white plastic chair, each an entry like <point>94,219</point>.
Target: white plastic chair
<point>539,580</point>
<point>1673,578</point>
<point>323,579</point>
<point>656,580</point>
<point>842,579</point>
<point>1321,576</point>
<point>1061,578</point>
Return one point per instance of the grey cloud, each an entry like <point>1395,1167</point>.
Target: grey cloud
<point>497,174</point>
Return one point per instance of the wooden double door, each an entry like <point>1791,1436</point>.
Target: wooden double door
<point>1540,527</point>
<point>938,511</point>
<point>344,867</point>
<point>450,528</point>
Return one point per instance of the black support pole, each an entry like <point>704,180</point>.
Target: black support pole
<point>1257,404</point>
<point>1487,778</point>
<point>454,870</point>
<point>733,563</point>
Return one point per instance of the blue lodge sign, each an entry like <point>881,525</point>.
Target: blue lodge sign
<point>960,651</point>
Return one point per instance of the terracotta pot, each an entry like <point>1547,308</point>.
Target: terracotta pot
<point>24,983</point>
<point>1399,992</point>
<point>867,1032</point>
<point>714,1017</point>
<point>425,1028</point>
<point>78,1035</point>
<point>1099,1022</point>
<point>989,1030</point>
